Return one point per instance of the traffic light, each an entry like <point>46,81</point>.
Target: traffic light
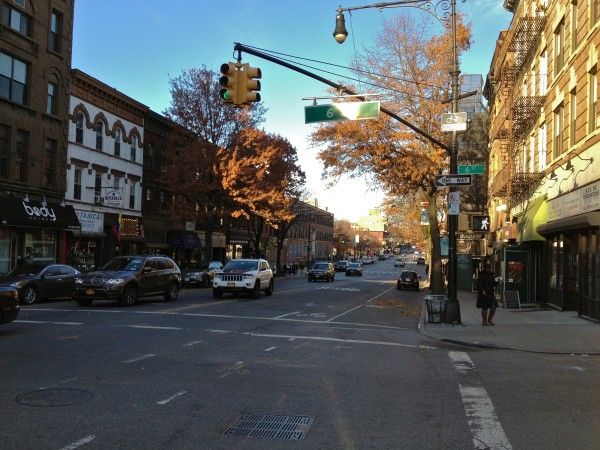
<point>228,83</point>
<point>249,85</point>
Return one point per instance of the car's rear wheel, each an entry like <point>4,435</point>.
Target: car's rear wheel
<point>217,293</point>
<point>129,296</point>
<point>256,290</point>
<point>269,290</point>
<point>172,292</point>
<point>29,295</point>
<point>84,301</point>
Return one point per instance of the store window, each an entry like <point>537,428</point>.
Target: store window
<point>4,251</point>
<point>42,245</point>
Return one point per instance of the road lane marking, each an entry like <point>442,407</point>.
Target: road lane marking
<point>219,331</point>
<point>154,327</point>
<point>139,358</point>
<point>231,316</point>
<point>237,366</point>
<point>172,397</point>
<point>59,383</point>
<point>482,419</point>
<point>462,362</point>
<point>191,344</point>
<point>75,310</point>
<point>269,349</point>
<point>360,306</point>
<point>79,443</point>
<point>348,341</point>
<point>49,322</point>
<point>285,315</point>
<point>196,306</point>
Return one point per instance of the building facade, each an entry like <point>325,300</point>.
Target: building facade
<point>544,165</point>
<point>104,171</point>
<point>35,63</point>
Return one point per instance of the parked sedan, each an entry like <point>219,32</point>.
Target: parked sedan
<point>41,281</point>
<point>9,304</point>
<point>408,279</point>
<point>354,268</point>
<point>321,271</point>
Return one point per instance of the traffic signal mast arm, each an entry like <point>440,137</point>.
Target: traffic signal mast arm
<point>242,48</point>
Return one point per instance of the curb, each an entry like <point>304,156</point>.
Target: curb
<point>422,329</point>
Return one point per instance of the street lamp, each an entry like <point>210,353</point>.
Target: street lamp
<point>444,11</point>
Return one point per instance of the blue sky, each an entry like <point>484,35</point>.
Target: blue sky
<point>135,46</point>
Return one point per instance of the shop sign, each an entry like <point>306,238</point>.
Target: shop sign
<point>580,201</point>
<point>91,222</point>
<point>113,198</point>
<point>131,227</point>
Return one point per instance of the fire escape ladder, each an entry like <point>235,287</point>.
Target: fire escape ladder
<point>528,31</point>
<point>525,112</point>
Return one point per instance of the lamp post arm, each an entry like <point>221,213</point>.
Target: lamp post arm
<point>242,48</point>
<point>429,6</point>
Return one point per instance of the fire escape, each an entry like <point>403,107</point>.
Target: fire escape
<point>518,113</point>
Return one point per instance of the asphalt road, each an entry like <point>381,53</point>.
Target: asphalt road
<point>337,365</point>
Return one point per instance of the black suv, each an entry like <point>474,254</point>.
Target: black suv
<point>321,271</point>
<point>126,278</point>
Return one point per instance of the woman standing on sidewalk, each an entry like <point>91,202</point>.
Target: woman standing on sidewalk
<point>486,298</point>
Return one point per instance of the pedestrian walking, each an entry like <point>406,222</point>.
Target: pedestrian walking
<point>486,297</point>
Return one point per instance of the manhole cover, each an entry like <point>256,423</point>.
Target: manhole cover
<point>270,426</point>
<point>54,397</point>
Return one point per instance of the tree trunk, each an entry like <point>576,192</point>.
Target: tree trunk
<point>435,268</point>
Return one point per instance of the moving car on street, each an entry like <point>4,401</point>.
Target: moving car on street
<point>341,266</point>
<point>399,262</point>
<point>244,275</point>
<point>200,275</point>
<point>408,279</point>
<point>127,278</point>
<point>321,271</point>
<point>354,268</point>
<point>9,304</point>
<point>41,281</point>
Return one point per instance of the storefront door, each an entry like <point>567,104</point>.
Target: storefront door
<point>517,267</point>
<point>571,279</point>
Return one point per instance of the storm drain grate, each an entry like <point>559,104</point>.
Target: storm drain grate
<point>291,428</point>
<point>54,397</point>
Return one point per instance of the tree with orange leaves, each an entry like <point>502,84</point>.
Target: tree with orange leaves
<point>412,66</point>
<point>194,172</point>
<point>262,176</point>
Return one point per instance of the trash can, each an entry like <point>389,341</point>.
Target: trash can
<point>436,308</point>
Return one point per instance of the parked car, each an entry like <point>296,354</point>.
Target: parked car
<point>420,261</point>
<point>354,268</point>
<point>244,275</point>
<point>408,279</point>
<point>321,271</point>
<point>200,275</point>
<point>9,304</point>
<point>399,262</point>
<point>341,266</point>
<point>127,278</point>
<point>41,281</point>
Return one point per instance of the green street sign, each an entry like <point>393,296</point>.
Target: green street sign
<point>476,169</point>
<point>341,111</point>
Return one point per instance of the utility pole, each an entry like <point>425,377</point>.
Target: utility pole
<point>453,307</point>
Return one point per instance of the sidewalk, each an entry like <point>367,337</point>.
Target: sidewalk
<point>539,331</point>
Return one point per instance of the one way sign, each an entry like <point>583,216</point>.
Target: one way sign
<point>453,180</point>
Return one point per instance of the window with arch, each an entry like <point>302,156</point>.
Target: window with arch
<point>79,129</point>
<point>99,130</point>
<point>132,149</point>
<point>52,98</point>
<point>118,142</point>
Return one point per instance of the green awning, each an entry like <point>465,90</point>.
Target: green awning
<point>536,213</point>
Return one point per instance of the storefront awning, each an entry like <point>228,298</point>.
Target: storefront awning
<point>535,215</point>
<point>187,240</point>
<point>587,220</point>
<point>16,212</point>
